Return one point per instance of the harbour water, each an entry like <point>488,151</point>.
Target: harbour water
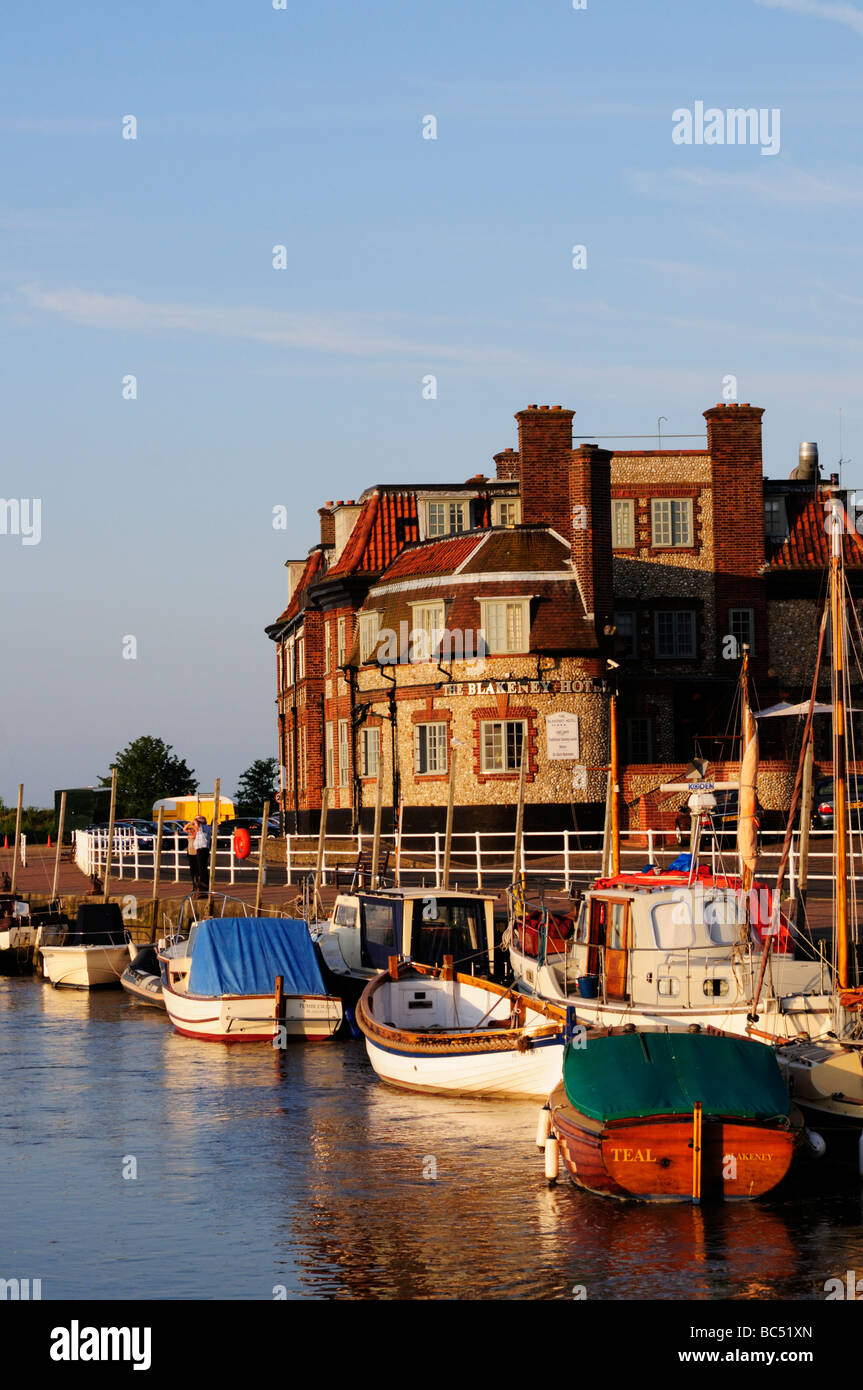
<point>252,1173</point>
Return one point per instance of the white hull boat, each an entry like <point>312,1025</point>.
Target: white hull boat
<point>432,1030</point>
<point>83,967</point>
<point>91,954</point>
<point>221,984</point>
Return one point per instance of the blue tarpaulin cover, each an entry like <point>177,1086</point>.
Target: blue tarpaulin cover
<point>243,955</point>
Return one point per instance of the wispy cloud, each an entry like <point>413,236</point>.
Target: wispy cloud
<point>820,9</point>
<point>346,335</point>
<point>785,186</point>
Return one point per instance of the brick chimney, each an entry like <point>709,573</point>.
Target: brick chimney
<point>506,463</point>
<point>569,490</point>
<point>590,529</point>
<point>544,451</point>
<point>734,446</point>
<point>328,524</point>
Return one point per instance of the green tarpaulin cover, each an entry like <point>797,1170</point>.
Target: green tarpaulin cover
<point>637,1074</point>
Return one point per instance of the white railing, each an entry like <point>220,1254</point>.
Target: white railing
<point>563,859</point>
<point>133,856</point>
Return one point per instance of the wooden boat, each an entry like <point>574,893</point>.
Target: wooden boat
<point>142,978</point>
<point>91,953</point>
<point>17,936</point>
<point>673,1116</point>
<point>432,1029</point>
<point>420,924</point>
<point>219,983</point>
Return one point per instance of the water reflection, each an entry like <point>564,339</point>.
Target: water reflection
<point>258,1168</point>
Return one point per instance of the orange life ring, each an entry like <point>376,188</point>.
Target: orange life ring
<point>242,843</point>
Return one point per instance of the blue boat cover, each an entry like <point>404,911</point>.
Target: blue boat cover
<point>243,955</point>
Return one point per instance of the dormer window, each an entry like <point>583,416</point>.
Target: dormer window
<point>446,517</point>
<point>369,628</point>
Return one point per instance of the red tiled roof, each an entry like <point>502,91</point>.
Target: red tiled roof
<point>313,564</point>
<point>376,539</point>
<point>808,542</point>
<point>435,557</point>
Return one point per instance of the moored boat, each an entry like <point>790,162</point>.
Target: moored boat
<point>17,936</point>
<point>431,1029</point>
<point>673,1116</point>
<point>89,954</point>
<point>142,978</point>
<point>219,984</point>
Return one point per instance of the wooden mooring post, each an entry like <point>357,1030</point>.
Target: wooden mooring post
<point>447,844</point>
<point>157,865</point>
<point>17,850</point>
<point>213,839</point>
<point>262,858</point>
<point>322,840</point>
<point>110,849</point>
<point>59,850</point>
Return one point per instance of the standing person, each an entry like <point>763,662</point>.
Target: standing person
<point>202,847</point>
<point>190,831</point>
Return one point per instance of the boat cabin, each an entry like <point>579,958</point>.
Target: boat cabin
<point>423,925</point>
<point>670,945</point>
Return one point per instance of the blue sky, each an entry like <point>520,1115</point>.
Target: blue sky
<point>406,256</point>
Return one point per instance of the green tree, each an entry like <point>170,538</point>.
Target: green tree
<point>257,785</point>
<point>147,771</point>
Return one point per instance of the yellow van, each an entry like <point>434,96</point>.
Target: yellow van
<point>185,808</point>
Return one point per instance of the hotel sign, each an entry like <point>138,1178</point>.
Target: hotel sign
<point>561,735</point>
<point>588,685</point>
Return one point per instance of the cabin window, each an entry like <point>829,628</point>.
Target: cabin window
<point>379,921</point>
<point>715,988</point>
<point>721,918</point>
<point>444,927</point>
<point>582,929</point>
<point>672,925</point>
<point>615,938</point>
<point>345,915</point>
<point>667,986</point>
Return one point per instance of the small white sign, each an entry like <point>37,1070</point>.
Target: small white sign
<point>561,735</point>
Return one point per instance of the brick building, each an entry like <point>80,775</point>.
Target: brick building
<point>480,618</point>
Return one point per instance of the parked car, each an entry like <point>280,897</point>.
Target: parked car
<point>822,803</point>
<point>722,819</point>
<point>144,829</point>
<point>250,823</point>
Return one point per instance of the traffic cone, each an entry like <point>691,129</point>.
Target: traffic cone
<point>49,841</point>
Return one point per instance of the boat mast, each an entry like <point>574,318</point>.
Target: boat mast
<point>615,790</point>
<point>840,829</point>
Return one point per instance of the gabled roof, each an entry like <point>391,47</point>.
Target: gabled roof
<point>494,550</point>
<point>386,521</point>
<point>313,565</point>
<point>808,543</point>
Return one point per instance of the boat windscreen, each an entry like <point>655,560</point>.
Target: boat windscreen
<point>446,927</point>
<point>97,924</point>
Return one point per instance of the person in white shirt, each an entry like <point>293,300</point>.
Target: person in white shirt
<point>202,850</point>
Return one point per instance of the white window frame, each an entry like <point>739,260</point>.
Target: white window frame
<point>676,654</point>
<point>370,626</point>
<point>344,752</point>
<point>438,765</point>
<point>488,767</point>
<point>456,509</point>
<point>670,529</point>
<point>326,648</point>
<point>370,752</point>
<point>330,755</point>
<point>428,617</point>
<point>749,640</point>
<point>491,620</point>
<point>341,641</point>
<point>622,532</point>
<point>503,504</point>
<point>301,758</point>
<point>301,658</point>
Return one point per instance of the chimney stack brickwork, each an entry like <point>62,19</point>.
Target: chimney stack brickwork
<point>734,447</point>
